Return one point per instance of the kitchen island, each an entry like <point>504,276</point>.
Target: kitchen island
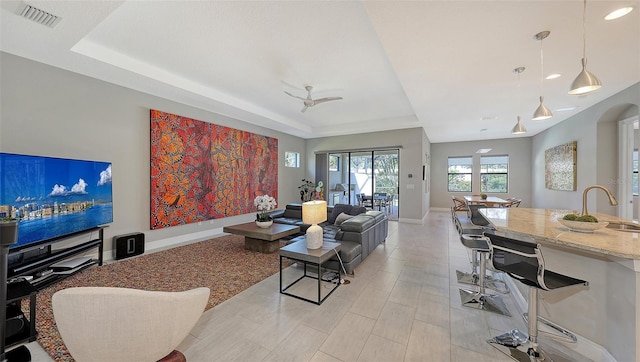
<point>607,312</point>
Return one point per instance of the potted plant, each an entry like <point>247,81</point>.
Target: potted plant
<point>264,204</point>
<point>483,196</point>
<point>306,190</point>
<point>8,231</point>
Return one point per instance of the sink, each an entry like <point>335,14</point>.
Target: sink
<point>629,227</point>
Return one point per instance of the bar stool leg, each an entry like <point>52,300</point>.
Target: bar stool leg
<point>481,300</point>
<point>517,344</point>
<point>470,278</point>
<point>473,278</point>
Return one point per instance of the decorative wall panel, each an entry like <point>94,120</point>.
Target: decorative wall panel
<point>202,171</point>
<point>560,167</point>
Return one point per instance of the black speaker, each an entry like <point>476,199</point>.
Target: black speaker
<point>15,320</point>
<point>128,245</point>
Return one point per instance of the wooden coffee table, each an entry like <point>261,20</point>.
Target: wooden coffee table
<point>259,239</point>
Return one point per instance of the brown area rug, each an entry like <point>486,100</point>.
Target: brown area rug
<point>222,264</point>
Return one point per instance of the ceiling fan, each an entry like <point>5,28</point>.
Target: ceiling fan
<point>309,102</point>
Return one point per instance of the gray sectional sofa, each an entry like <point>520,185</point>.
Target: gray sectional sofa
<point>359,235</point>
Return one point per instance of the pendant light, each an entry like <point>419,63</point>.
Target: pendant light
<point>586,81</point>
<point>542,112</point>
<point>519,127</point>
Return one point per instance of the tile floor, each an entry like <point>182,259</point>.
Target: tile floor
<point>402,305</point>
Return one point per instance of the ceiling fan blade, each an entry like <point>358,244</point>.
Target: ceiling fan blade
<point>327,99</point>
<point>304,109</point>
<point>293,95</point>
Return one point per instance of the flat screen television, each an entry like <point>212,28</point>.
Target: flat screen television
<point>53,197</point>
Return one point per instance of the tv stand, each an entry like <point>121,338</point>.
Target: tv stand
<point>40,270</point>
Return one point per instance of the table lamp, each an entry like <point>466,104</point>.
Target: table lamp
<point>314,212</point>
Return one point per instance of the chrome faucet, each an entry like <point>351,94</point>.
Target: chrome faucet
<point>612,199</point>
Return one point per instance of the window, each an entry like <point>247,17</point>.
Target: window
<point>291,159</point>
<point>494,173</point>
<point>460,170</point>
<point>634,177</point>
<point>334,163</point>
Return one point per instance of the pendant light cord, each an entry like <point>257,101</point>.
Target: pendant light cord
<point>584,30</point>
<point>519,92</point>
<point>541,68</point>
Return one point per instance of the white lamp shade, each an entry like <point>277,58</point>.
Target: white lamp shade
<point>314,212</point>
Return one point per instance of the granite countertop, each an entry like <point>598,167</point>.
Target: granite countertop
<point>542,225</point>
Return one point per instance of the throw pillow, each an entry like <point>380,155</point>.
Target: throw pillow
<point>342,218</point>
<point>337,210</point>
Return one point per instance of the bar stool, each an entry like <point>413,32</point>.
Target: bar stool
<point>465,233</point>
<point>523,261</point>
<point>475,216</point>
<point>479,299</point>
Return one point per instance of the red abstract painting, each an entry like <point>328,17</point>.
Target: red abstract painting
<point>202,171</point>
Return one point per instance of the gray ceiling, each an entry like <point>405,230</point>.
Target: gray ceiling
<point>446,66</point>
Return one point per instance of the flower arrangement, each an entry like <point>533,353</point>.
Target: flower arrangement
<point>264,203</point>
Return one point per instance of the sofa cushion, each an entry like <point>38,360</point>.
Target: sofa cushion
<point>329,231</point>
<point>342,218</point>
<point>358,223</point>
<point>287,220</point>
<point>357,210</point>
<point>378,215</point>
<point>293,211</point>
<point>348,251</point>
<point>337,210</point>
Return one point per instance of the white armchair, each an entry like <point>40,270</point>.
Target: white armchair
<point>120,324</point>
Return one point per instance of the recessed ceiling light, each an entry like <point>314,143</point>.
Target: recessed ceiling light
<point>483,150</point>
<point>618,13</point>
<point>566,109</point>
<point>553,76</point>
<point>488,118</point>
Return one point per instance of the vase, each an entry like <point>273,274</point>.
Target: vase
<point>264,224</point>
<point>8,232</point>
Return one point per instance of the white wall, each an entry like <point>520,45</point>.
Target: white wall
<point>518,149</point>
<point>51,112</point>
<point>426,163</point>
<point>412,154</point>
<point>595,129</point>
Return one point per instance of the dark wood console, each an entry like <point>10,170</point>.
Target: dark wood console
<point>18,288</point>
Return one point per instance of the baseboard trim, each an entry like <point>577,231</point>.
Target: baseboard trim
<point>415,221</point>
<point>440,209</point>
<point>410,221</point>
<point>162,244</point>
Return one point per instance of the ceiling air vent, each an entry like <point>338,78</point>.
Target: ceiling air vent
<point>39,16</point>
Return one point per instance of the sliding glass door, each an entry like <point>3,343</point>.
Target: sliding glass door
<point>368,178</point>
<point>385,190</point>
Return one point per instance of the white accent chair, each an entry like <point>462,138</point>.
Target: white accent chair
<point>121,324</point>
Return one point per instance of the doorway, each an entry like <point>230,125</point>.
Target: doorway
<point>628,168</point>
<point>368,178</point>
